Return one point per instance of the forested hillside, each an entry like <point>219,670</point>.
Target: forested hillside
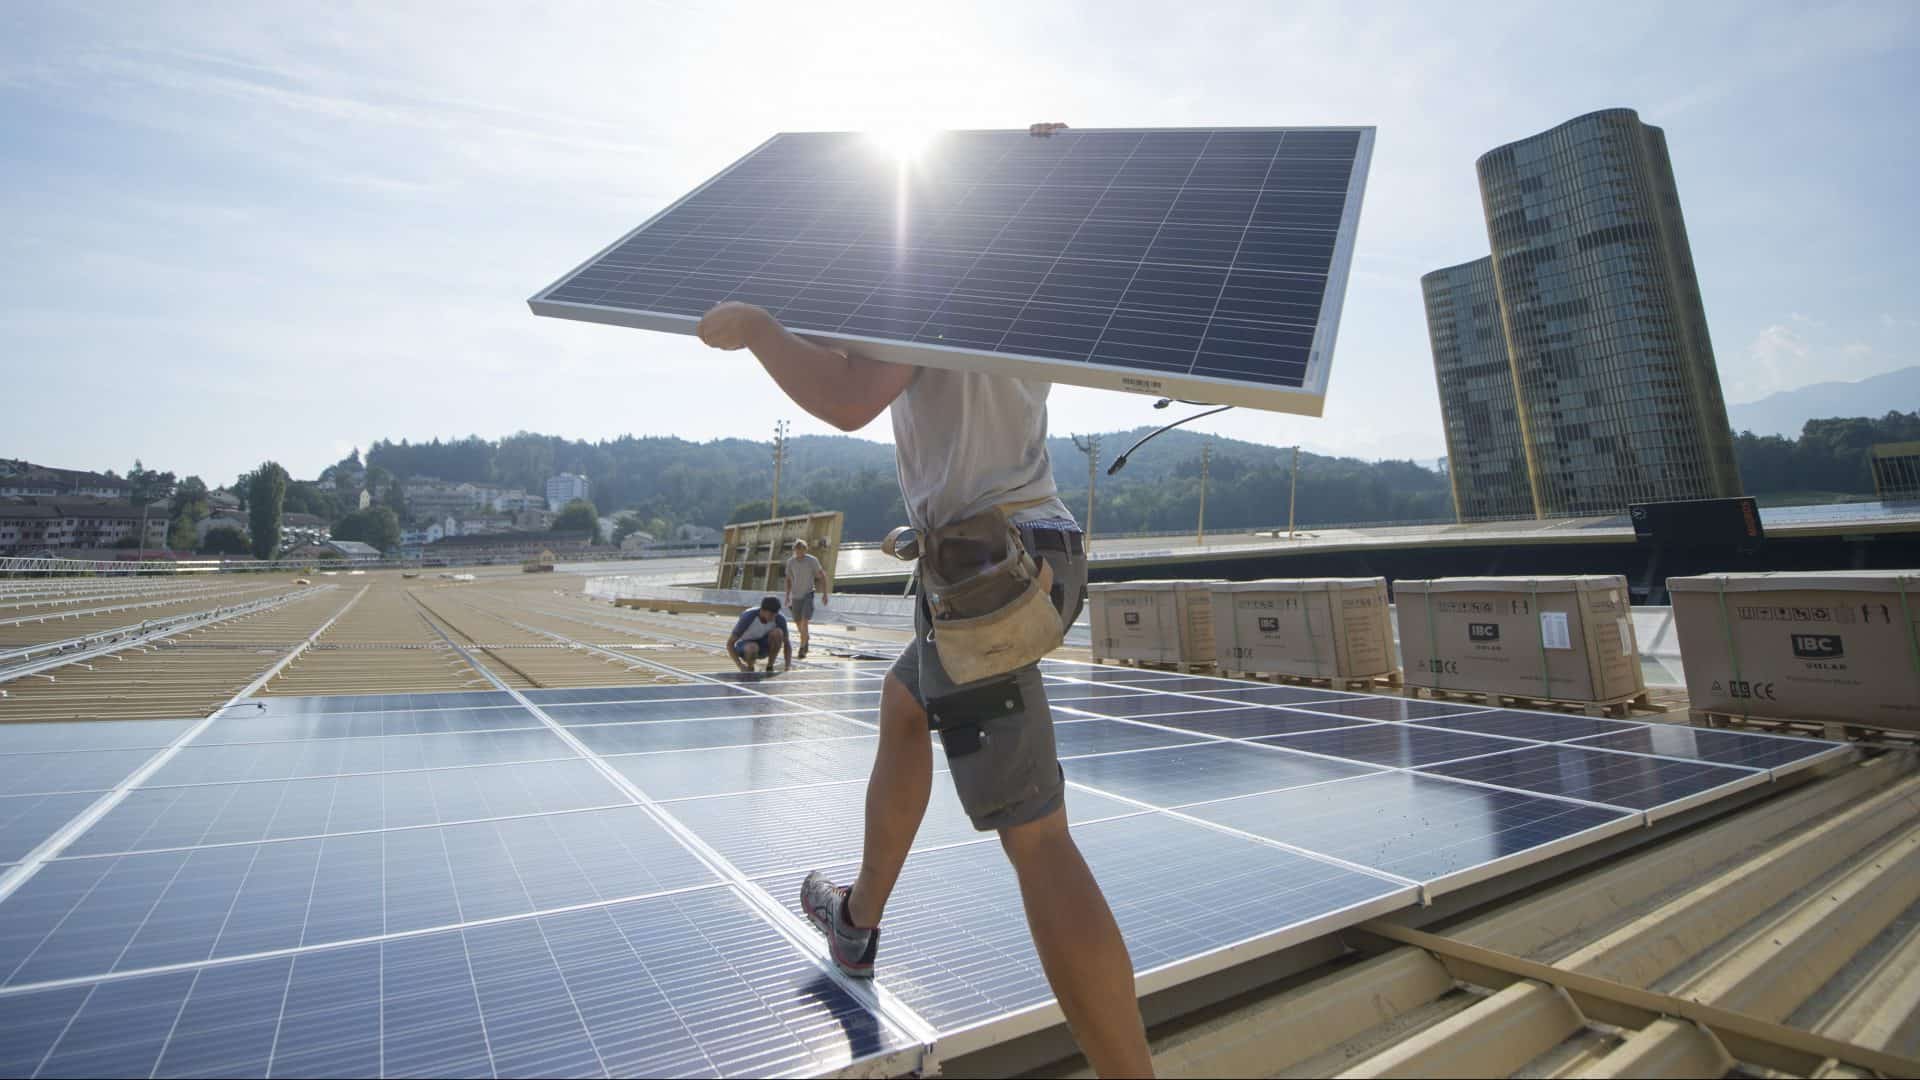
<point>673,481</point>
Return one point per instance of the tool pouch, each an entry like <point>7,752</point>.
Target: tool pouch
<point>990,601</point>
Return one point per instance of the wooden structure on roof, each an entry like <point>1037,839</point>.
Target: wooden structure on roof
<point>753,554</point>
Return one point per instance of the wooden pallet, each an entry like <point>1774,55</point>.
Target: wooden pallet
<point>1619,708</point>
<point>1818,729</point>
<point>1391,682</point>
<point>1183,667</point>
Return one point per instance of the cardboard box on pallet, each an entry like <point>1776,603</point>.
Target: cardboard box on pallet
<point>1840,646</point>
<point>1549,638</point>
<point>1330,628</point>
<point>1166,622</point>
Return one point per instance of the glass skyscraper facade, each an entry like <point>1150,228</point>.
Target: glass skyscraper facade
<point>1486,455</point>
<point>1614,383</point>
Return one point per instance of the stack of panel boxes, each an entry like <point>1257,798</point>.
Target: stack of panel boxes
<point>1321,628</point>
<point>1546,639</point>
<point>1154,622</point>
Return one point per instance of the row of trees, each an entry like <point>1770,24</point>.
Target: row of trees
<point>664,482</point>
<point>1829,457</point>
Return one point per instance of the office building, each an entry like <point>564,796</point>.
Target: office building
<point>1614,384</point>
<point>1486,455</point>
<point>565,488</point>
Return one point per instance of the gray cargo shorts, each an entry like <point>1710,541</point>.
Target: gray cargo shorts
<point>1014,776</point>
<point>803,607</point>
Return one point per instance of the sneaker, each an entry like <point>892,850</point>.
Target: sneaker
<point>802,654</point>
<point>825,904</point>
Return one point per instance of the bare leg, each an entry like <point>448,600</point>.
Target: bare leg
<point>806,636</point>
<point>750,651</point>
<point>775,639</point>
<point>1080,946</point>
<point>897,796</point>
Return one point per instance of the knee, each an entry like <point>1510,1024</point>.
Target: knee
<point>1038,840</point>
<point>898,709</point>
<point>749,649</point>
<point>774,638</point>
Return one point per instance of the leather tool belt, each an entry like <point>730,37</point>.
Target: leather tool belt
<point>990,600</point>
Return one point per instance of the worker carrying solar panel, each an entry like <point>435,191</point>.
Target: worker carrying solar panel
<point>1003,570</point>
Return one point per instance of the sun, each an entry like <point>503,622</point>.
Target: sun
<point>903,144</point>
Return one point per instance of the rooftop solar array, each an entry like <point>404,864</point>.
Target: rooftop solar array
<point>589,882</point>
<point>1192,262</point>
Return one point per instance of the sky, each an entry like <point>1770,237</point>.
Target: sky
<point>247,231</point>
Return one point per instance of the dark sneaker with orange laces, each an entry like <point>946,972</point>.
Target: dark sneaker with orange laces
<point>826,906</point>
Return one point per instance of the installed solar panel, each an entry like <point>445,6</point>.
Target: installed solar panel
<point>1075,737</point>
<point>1193,263</point>
<point>356,898</point>
<point>117,735</point>
<point>339,757</point>
<point>77,770</point>
<point>965,965</point>
<point>1398,745</point>
<point>81,917</point>
<point>1434,831</point>
<point>1658,786</point>
<point>27,820</point>
<point>151,819</point>
<point>694,984</point>
<point>1183,774</point>
<point>724,770</point>
<point>1775,753</point>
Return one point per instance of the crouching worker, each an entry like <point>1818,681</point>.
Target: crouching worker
<point>761,631</point>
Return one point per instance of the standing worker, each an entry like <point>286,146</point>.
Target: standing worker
<point>805,576</point>
<point>973,461</point>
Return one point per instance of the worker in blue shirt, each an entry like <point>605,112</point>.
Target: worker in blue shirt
<point>760,631</point>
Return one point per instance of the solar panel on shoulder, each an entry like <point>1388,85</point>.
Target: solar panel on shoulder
<point>1195,262</point>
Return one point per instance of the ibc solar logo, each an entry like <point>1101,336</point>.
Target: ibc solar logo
<point>1818,646</point>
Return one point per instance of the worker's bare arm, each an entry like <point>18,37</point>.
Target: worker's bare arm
<point>845,390</point>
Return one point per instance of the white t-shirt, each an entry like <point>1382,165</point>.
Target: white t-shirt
<point>804,573</point>
<point>966,441</point>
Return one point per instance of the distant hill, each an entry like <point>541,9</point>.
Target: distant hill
<point>1786,412</point>
<point>670,481</point>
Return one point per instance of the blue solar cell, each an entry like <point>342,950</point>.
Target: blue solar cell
<point>1151,706</point>
<point>1418,827</point>
<point>1273,695</point>
<point>151,819</point>
<point>1744,749</point>
<point>1252,722</point>
<point>629,712</point>
<point>685,985</point>
<point>90,735</point>
<point>280,706</point>
<point>70,770</point>
<point>1397,745</point>
<point>27,820</point>
<point>798,829</point>
<point>1185,774</point>
<point>1386,708</point>
<point>962,964</point>
<point>239,727</point>
<point>1521,724</point>
<point>802,699</point>
<point>732,731</point>
<point>197,764</point>
<point>719,771</point>
<point>593,694</point>
<point>88,916</point>
<point>1073,737</point>
<point>1627,780</point>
